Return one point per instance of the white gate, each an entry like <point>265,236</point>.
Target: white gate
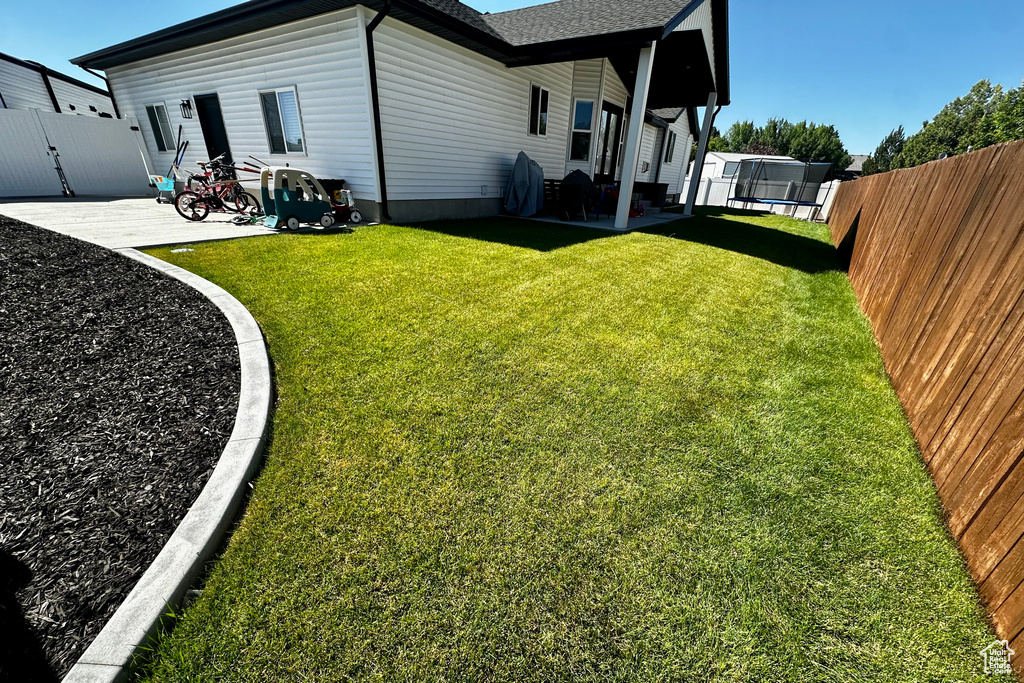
<point>97,156</point>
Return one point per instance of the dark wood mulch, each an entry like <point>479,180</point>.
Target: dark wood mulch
<point>118,391</point>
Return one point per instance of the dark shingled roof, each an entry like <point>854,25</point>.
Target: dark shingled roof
<point>463,13</point>
<point>668,115</point>
<point>567,19</point>
<point>559,31</point>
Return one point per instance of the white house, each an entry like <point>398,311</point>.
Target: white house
<point>29,85</point>
<point>423,105</point>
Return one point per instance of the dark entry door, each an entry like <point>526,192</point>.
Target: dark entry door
<point>212,123</point>
<point>608,143</point>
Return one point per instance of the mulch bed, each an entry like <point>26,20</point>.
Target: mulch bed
<point>119,391</point>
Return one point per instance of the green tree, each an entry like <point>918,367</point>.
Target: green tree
<point>887,150</point>
<point>716,143</point>
<point>740,135</point>
<point>775,137</point>
<point>1008,118</point>
<point>966,123</point>
<point>811,142</point>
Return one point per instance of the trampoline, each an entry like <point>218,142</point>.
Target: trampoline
<point>779,183</point>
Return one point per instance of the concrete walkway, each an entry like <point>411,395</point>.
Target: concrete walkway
<point>118,223</point>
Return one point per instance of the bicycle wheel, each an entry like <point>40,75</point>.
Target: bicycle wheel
<point>191,206</point>
<point>247,204</point>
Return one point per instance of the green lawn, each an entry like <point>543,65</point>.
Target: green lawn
<point>510,451</point>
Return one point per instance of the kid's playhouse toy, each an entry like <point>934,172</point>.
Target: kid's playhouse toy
<point>292,197</point>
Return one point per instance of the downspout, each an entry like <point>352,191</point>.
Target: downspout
<point>45,73</point>
<point>110,90</point>
<point>375,103</point>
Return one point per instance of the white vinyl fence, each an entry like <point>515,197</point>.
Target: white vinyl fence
<point>98,156</point>
<point>718,192</point>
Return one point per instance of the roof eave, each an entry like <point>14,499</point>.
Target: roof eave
<point>112,56</point>
<point>720,27</point>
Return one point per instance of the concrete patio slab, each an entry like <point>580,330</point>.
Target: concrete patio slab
<point>119,223</point>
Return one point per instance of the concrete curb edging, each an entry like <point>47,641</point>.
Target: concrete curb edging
<point>199,534</point>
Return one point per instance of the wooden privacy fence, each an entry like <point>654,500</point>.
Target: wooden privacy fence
<point>937,263</point>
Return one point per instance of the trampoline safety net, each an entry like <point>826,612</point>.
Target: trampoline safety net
<point>763,180</point>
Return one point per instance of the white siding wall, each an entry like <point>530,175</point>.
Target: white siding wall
<point>701,20</point>
<point>453,121</point>
<point>648,140</point>
<point>614,90</point>
<point>321,56</point>
<point>675,173</point>
<point>23,88</point>
<point>586,85</point>
<point>71,94</point>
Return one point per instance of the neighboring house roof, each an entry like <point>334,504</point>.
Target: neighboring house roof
<point>669,114</point>
<point>568,19</point>
<point>558,31</point>
<point>39,68</point>
<point>858,163</point>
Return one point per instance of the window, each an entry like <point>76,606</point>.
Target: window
<point>670,147</point>
<point>281,116</point>
<point>538,110</point>
<point>582,125</point>
<point>730,169</point>
<point>157,114</point>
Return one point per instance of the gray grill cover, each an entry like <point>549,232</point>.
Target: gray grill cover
<point>525,194</point>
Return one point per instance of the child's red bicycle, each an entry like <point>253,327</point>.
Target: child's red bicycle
<point>215,189</point>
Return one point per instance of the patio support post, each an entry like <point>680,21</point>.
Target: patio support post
<point>636,127</point>
<point>702,150</point>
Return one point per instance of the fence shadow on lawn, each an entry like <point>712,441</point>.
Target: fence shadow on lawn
<point>21,654</point>
<point>776,246</point>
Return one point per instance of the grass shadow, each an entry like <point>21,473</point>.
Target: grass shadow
<point>515,232</point>
<point>768,244</point>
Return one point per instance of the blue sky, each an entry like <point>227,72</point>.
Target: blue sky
<point>865,66</point>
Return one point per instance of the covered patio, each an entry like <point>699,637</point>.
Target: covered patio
<point>665,55</point>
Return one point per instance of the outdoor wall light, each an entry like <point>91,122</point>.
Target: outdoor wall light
<point>186,109</point>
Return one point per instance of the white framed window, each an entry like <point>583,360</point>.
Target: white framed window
<point>157,114</point>
<point>282,120</point>
<point>730,169</point>
<point>670,147</point>
<point>582,130</point>
<point>539,110</point>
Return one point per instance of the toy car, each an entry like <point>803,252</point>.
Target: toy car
<point>292,197</point>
